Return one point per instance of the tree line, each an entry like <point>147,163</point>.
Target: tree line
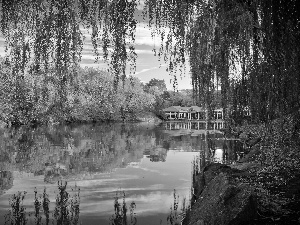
<point>92,96</point>
<point>248,49</point>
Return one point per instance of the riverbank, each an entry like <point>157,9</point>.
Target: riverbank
<point>146,117</point>
<point>261,188</point>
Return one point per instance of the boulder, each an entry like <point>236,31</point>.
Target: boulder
<point>221,199</point>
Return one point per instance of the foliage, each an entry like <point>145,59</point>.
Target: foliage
<point>277,179</point>
<point>93,97</point>
<point>165,98</point>
<point>249,49</point>
<point>132,100</point>
<point>50,33</point>
<point>160,84</point>
<point>44,41</point>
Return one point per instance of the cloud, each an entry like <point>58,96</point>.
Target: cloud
<point>141,5</point>
<point>146,70</point>
<point>141,51</point>
<point>143,36</point>
<point>149,69</point>
<point>91,57</point>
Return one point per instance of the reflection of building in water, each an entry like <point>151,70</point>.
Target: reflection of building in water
<point>192,129</point>
<point>158,154</point>
<point>198,125</point>
<point>211,144</point>
<point>227,151</point>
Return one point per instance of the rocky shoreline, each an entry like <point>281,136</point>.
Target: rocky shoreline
<point>220,198</point>
<point>261,188</point>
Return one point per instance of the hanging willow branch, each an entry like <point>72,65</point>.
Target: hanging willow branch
<point>249,48</point>
<point>48,33</point>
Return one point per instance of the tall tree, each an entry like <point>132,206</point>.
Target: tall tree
<point>46,36</point>
<point>160,84</point>
<point>253,44</point>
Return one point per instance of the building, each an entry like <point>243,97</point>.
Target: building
<point>191,113</point>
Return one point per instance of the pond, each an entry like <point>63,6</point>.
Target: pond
<point>146,162</point>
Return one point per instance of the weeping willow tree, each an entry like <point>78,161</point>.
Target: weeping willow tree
<point>248,49</point>
<point>44,39</point>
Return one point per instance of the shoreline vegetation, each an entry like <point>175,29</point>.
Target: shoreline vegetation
<point>266,179</point>
<point>92,96</point>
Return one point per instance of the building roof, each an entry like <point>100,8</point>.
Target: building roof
<point>183,109</point>
<point>197,108</point>
<point>177,109</point>
<point>172,109</point>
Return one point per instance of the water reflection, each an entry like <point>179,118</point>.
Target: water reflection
<point>147,162</point>
<point>6,181</point>
<point>211,142</point>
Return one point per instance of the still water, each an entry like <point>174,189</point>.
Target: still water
<point>144,161</point>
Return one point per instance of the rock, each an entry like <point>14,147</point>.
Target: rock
<point>209,172</point>
<point>223,200</point>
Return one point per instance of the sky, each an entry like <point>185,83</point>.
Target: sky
<point>148,66</point>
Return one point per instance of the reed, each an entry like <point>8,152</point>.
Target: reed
<point>66,210</point>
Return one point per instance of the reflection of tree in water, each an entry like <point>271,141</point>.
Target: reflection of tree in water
<point>158,154</point>
<point>178,215</point>
<point>67,207</point>
<point>6,180</point>
<point>121,212</point>
<point>75,151</point>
